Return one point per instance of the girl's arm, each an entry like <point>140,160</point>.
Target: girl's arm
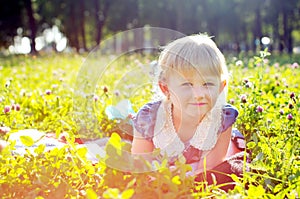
<point>218,154</point>
<point>140,144</point>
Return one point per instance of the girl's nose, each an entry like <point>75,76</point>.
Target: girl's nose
<point>198,93</point>
<point>199,98</point>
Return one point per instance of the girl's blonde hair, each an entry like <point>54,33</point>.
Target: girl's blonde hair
<point>190,54</point>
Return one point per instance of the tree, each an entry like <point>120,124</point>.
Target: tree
<point>32,24</point>
<point>288,11</point>
<point>82,23</point>
<point>10,20</point>
<point>101,13</point>
<point>85,23</point>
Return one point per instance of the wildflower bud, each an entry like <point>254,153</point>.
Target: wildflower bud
<point>291,106</point>
<point>259,109</point>
<point>246,80</point>
<point>23,92</point>
<point>289,116</point>
<point>243,98</point>
<point>48,92</point>
<point>269,121</point>
<point>7,84</point>
<point>231,101</point>
<point>6,109</point>
<point>276,76</point>
<point>239,63</point>
<point>105,89</point>
<point>292,95</point>
<point>266,61</point>
<point>18,107</point>
<point>281,112</point>
<point>117,93</point>
<point>248,84</point>
<point>96,98</point>
<point>295,65</point>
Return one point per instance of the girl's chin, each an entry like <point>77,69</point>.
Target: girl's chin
<point>197,114</point>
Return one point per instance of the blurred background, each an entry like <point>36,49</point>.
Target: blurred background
<point>37,26</point>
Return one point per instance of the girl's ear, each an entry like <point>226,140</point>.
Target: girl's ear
<point>163,87</point>
<point>222,85</point>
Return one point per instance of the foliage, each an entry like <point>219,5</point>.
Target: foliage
<point>85,23</point>
<point>265,93</point>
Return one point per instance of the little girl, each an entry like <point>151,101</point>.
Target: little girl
<point>193,119</point>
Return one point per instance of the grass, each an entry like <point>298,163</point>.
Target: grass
<point>265,89</point>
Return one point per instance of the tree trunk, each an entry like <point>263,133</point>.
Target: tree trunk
<point>98,22</point>
<point>100,17</point>
<point>82,25</point>
<point>73,28</point>
<point>287,34</point>
<point>257,29</point>
<point>276,36</point>
<point>32,25</point>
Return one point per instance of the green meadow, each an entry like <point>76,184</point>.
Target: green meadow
<point>40,92</point>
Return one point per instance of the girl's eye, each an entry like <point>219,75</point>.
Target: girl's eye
<point>187,84</point>
<point>208,84</point>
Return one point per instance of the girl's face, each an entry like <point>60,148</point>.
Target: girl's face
<point>193,95</point>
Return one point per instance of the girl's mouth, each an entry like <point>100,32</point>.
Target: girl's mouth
<point>198,104</point>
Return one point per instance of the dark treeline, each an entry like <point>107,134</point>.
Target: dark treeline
<point>236,24</point>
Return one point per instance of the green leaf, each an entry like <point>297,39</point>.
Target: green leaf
<point>90,194</point>
<point>26,140</point>
<point>111,193</point>
<point>40,149</point>
<point>127,194</point>
<point>82,152</point>
<point>235,178</point>
<point>251,145</point>
<point>277,188</point>
<point>176,180</point>
<point>115,140</point>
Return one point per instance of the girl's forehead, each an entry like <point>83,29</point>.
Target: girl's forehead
<point>194,75</point>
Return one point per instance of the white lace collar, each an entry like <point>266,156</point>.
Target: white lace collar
<point>205,137</point>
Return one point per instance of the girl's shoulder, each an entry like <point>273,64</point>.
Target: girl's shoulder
<point>229,115</point>
<point>144,120</point>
